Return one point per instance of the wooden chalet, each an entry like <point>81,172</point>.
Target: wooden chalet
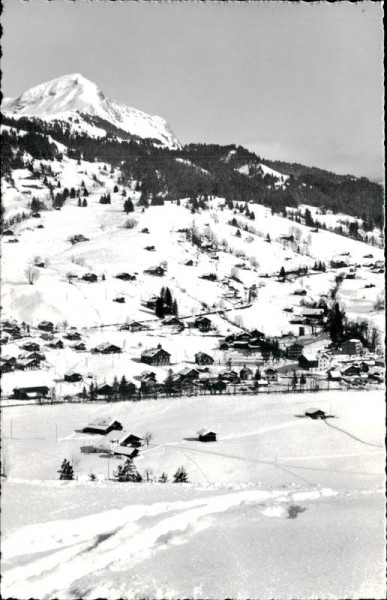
<point>27,364</point>
<point>90,277</point>
<point>34,355</point>
<point>107,348</point>
<point>30,393</point>
<point>246,374</point>
<point>102,426</point>
<point>315,413</point>
<point>334,375</point>
<point>125,277</point>
<point>105,390</point>
<point>46,326</point>
<point>352,347</point>
<point>308,361</point>
<point>352,371</point>
<point>129,439</point>
<point>31,347</point>
<point>73,336</point>
<point>189,373</point>
<point>271,374</point>
<point>6,367</point>
<point>201,358</point>
<point>58,345</point>
<point>173,322</point>
<point>230,376</point>
<point>133,327</point>
<point>73,377</point>
<point>204,324</point>
<point>80,346</point>
<point>156,356</point>
<point>256,334</point>
<point>206,435</point>
<point>155,271</point>
<point>294,351</point>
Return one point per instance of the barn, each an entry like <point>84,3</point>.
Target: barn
<point>102,426</point>
<point>129,439</point>
<point>30,393</point>
<point>205,435</point>
<point>315,413</point>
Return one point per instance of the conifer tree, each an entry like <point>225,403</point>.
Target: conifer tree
<point>66,471</point>
<point>128,206</point>
<point>127,472</point>
<point>160,309</point>
<point>181,476</point>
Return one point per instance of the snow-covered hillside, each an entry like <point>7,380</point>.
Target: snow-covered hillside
<point>276,497</point>
<point>70,96</point>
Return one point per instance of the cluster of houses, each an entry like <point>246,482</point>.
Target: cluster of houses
<point>250,341</point>
<point>31,356</point>
<point>125,444</point>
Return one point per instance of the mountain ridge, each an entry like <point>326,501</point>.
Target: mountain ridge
<point>70,95</point>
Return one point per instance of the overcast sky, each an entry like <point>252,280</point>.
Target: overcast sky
<point>298,82</point>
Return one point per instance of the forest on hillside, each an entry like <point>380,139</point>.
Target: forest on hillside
<point>196,169</point>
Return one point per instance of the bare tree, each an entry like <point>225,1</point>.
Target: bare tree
<point>32,274</point>
<point>148,437</point>
<point>149,474</point>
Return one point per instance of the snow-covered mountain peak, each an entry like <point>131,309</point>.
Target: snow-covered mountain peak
<point>58,98</point>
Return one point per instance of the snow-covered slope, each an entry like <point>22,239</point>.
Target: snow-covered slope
<point>64,96</point>
<point>253,168</point>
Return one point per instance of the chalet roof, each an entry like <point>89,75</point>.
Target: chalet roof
<point>309,356</point>
<point>101,423</point>
<point>205,431</point>
<point>313,312</point>
<point>311,411</point>
<point>105,346</point>
<point>153,352</point>
<point>147,374</point>
<point>353,341</point>
<point>199,354</point>
<point>127,436</point>
<point>335,374</point>
<point>24,362</point>
<point>187,370</point>
<point>202,320</point>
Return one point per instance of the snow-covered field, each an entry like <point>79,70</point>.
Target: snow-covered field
<point>282,496</point>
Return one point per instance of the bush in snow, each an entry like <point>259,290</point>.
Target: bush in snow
<point>130,223</point>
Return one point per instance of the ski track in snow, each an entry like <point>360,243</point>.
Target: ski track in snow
<point>81,547</point>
